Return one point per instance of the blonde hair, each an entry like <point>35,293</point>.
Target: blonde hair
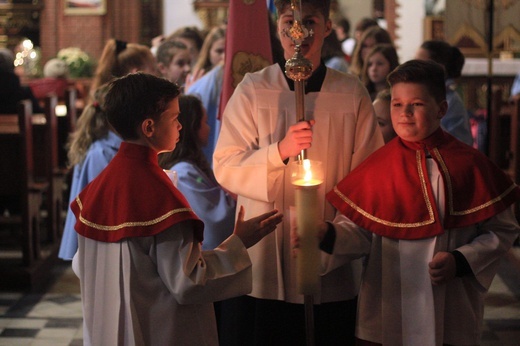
<point>204,61</point>
<point>120,58</point>
<point>91,126</point>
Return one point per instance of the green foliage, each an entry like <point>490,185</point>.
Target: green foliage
<point>80,63</point>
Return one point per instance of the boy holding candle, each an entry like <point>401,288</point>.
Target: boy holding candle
<point>259,138</point>
<point>434,250</point>
<point>144,278</point>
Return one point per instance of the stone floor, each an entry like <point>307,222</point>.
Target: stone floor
<point>55,317</point>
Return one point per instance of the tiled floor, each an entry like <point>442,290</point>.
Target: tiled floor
<point>55,319</point>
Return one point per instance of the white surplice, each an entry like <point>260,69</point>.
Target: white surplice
<point>157,290</point>
<point>247,162</point>
<point>398,305</point>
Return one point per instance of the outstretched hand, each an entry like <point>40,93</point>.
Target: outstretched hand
<point>253,230</point>
<point>297,138</point>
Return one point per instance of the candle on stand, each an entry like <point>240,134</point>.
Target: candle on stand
<point>307,176</point>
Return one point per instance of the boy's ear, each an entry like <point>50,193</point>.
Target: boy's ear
<point>147,128</point>
<point>443,108</point>
<point>328,27</point>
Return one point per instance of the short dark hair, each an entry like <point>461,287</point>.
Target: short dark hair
<point>342,22</point>
<point>447,55</point>
<point>365,23</point>
<point>135,97</point>
<point>425,72</point>
<point>322,6</point>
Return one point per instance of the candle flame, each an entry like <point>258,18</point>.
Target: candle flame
<point>307,168</point>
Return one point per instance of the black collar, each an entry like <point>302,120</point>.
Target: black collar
<point>315,81</point>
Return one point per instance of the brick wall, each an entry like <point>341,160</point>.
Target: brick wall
<point>88,32</point>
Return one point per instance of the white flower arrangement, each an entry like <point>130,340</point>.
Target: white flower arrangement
<point>80,63</point>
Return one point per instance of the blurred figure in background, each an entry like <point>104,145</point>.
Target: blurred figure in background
<point>341,26</point>
<point>192,37</point>
<point>332,53</point>
<point>174,61</point>
<point>372,36</point>
<point>120,58</point>
<point>456,121</point>
<point>212,51</point>
<point>90,148</point>
<point>379,62</point>
<point>382,109</point>
<point>11,89</point>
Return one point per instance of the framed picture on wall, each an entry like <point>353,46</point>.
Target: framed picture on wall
<point>85,7</point>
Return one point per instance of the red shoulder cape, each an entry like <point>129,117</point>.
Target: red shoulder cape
<point>390,193</point>
<point>131,197</point>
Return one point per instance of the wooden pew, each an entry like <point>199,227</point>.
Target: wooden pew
<point>67,124</point>
<point>21,198</point>
<point>46,152</point>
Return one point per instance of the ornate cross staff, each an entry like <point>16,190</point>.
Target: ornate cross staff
<point>299,69</point>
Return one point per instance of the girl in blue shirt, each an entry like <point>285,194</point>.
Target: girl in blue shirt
<point>213,205</point>
<point>91,147</point>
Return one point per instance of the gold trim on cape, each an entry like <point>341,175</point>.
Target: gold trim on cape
<point>128,224</point>
<point>450,191</point>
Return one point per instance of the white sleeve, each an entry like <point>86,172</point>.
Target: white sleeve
<point>194,276</point>
<point>352,242</point>
<point>483,253</point>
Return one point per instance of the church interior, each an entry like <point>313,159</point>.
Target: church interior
<point>40,301</point>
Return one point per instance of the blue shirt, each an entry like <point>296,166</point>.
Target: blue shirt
<point>209,201</point>
<point>208,88</point>
<point>98,156</point>
<point>456,120</point>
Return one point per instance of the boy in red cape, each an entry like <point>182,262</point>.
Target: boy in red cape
<point>433,215</point>
<point>144,278</point>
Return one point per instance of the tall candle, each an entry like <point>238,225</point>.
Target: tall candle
<point>307,180</point>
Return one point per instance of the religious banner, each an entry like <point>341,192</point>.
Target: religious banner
<point>248,47</point>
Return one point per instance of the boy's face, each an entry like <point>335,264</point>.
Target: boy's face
<point>415,112</point>
<point>167,129</point>
<point>311,20</point>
